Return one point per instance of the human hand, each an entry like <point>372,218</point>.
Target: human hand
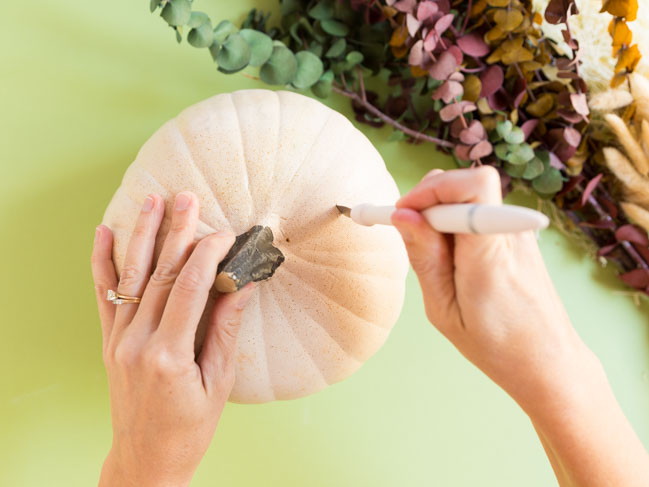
<point>165,402</point>
<point>491,295</point>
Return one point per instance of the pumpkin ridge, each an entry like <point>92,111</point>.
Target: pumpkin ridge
<point>333,301</point>
<point>264,362</point>
<point>341,268</point>
<point>297,338</point>
<point>246,169</point>
<point>348,353</point>
<point>306,158</point>
<point>198,169</point>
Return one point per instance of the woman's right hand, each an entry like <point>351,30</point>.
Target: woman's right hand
<point>490,295</point>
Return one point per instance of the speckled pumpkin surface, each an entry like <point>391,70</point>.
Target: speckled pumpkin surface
<point>282,160</point>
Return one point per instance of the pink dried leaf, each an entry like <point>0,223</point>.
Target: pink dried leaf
<point>456,128</point>
<point>425,10</point>
<point>431,40</point>
<point>580,104</point>
<point>572,136</point>
<point>480,150</point>
<point>632,233</point>
<point>413,25</point>
<point>448,91</point>
<point>588,190</point>
<point>569,115</point>
<point>405,5</point>
<point>457,76</point>
<point>451,112</point>
<point>607,249</point>
<point>473,45</point>
<point>492,79</point>
<point>444,67</point>
<point>473,134</point>
<point>556,162</point>
<point>444,23</point>
<point>416,56</point>
<point>457,53</point>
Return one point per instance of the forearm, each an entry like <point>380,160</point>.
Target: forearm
<point>117,473</point>
<point>585,434</point>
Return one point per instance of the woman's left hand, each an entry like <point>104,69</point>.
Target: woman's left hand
<point>165,401</point>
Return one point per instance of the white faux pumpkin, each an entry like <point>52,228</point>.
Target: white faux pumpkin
<point>279,159</point>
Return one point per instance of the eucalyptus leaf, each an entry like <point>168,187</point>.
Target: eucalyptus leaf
<point>504,128</point>
<point>234,53</point>
<point>337,48</point>
<point>309,69</point>
<point>214,50</point>
<point>280,69</point>
<point>515,136</point>
<point>154,4</point>
<point>288,7</point>
<point>515,170</point>
<point>334,28</point>
<point>501,151</point>
<point>549,182</point>
<point>201,36</point>
<point>396,135</point>
<point>353,58</point>
<point>322,10</point>
<point>261,46</point>
<point>176,12</point>
<point>198,18</point>
<point>179,37</point>
<point>534,169</point>
<point>223,30</point>
<point>322,88</point>
<point>316,48</point>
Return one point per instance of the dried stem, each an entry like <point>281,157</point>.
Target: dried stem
<point>390,121</point>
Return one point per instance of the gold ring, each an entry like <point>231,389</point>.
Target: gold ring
<point>117,298</point>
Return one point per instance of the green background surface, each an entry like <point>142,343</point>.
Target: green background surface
<point>82,86</point>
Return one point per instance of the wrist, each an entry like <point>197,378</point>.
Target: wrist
<point>118,471</point>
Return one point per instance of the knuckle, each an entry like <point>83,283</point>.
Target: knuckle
<point>123,355</point>
<point>179,226</point>
<point>141,230</point>
<point>130,275</point>
<point>488,176</point>
<point>190,279</point>
<point>159,360</point>
<point>164,274</point>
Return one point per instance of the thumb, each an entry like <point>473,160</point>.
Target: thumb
<point>220,343</point>
<point>431,256</point>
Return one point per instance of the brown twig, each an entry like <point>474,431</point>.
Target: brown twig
<point>390,121</point>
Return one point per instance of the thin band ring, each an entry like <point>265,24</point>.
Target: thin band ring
<point>117,298</point>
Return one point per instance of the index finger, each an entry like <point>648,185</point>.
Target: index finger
<point>479,185</point>
<point>190,291</point>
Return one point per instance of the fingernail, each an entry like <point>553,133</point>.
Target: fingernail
<point>148,204</point>
<point>182,202</point>
<point>245,295</point>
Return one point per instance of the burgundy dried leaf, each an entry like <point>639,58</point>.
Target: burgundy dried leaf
<point>632,233</point>
<point>451,112</point>
<point>643,250</point>
<point>473,45</point>
<point>580,104</point>
<point>444,6</point>
<point>416,56</point>
<point>444,66</point>
<point>457,53</point>
<point>448,91</point>
<point>425,10</point>
<point>473,134</point>
<point>498,101</point>
<point>405,5</point>
<point>492,80</point>
<point>588,190</point>
<point>456,128</point>
<point>564,64</point>
<point>396,106</point>
<point>480,150</point>
<point>557,11</point>
<point>603,224</point>
<point>572,136</point>
<point>529,126</point>
<point>607,249</point>
<point>462,152</point>
<point>572,183</point>
<point>413,25</point>
<point>567,75</point>
<point>637,278</point>
<point>444,23</point>
<point>571,41</point>
<point>519,98</point>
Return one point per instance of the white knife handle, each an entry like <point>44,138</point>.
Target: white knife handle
<point>461,218</point>
<point>483,219</point>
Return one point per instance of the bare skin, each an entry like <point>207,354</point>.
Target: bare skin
<point>165,402</point>
<point>492,297</point>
